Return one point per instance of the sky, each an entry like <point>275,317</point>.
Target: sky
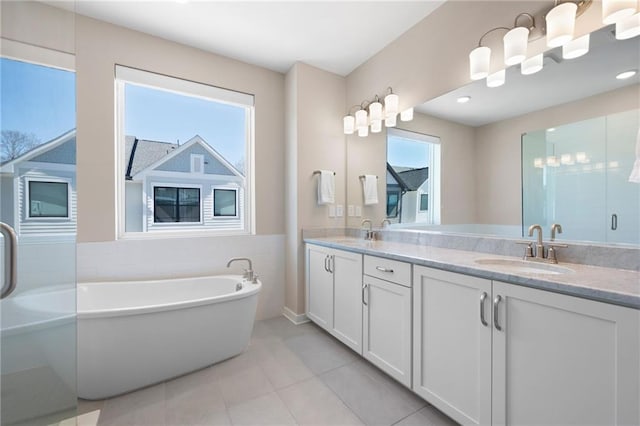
<point>402,152</point>
<point>36,99</point>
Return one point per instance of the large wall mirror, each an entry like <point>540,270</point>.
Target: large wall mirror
<point>490,143</point>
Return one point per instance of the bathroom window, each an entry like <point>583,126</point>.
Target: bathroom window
<point>48,199</point>
<point>171,204</point>
<point>424,202</point>
<point>393,198</point>
<point>177,137</point>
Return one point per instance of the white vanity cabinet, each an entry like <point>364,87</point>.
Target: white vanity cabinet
<point>334,293</point>
<point>386,297</point>
<point>523,356</point>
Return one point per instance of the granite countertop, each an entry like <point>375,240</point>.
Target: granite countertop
<point>616,286</point>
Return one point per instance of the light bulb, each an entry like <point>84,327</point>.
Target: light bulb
<point>496,79</point>
<point>532,65</point>
<point>375,111</point>
<point>391,104</point>
<point>361,119</point>
<point>348,124</point>
<point>576,47</point>
<point>479,60</point>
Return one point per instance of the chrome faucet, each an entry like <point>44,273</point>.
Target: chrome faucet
<point>369,234</point>
<point>249,275</point>
<point>387,221</point>
<point>539,246</point>
<point>555,227</point>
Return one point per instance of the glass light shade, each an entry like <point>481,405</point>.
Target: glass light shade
<point>391,120</point>
<point>376,126</point>
<point>363,131</point>
<point>532,65</point>
<point>552,161</point>
<point>407,115</point>
<point>538,163</point>
<point>576,47</point>
<point>375,111</point>
<point>349,124</point>
<point>566,159</point>
<point>479,60</point>
<point>361,119</point>
<point>496,79</point>
<point>515,45</point>
<point>561,21</point>
<point>581,157</point>
<point>391,104</point>
<point>628,27</point>
<point>614,10</point>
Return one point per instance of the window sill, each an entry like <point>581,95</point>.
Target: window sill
<point>160,234</point>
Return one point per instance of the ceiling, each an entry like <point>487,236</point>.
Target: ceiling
<point>560,81</point>
<point>336,36</point>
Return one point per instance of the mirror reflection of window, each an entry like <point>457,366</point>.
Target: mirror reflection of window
<point>413,178</point>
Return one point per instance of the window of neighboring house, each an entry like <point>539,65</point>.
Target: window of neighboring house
<point>48,199</point>
<point>393,199</point>
<point>424,202</point>
<point>186,135</point>
<point>225,202</point>
<point>174,204</point>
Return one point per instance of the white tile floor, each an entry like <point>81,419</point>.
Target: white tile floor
<point>289,375</point>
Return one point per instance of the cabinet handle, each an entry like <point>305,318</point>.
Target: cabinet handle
<point>483,297</point>
<point>496,302</point>
<point>614,222</point>
<point>383,269</point>
<point>326,268</point>
<point>364,287</point>
<point>331,260</point>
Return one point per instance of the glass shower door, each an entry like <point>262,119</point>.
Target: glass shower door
<point>38,202</point>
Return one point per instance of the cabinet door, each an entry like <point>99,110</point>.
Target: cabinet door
<point>561,360</point>
<point>387,327</point>
<point>347,298</point>
<point>319,287</point>
<point>452,343</point>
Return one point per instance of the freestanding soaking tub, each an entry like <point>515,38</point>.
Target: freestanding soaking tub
<point>134,334</point>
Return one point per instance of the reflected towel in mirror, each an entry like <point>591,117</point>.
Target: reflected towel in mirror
<point>370,189</point>
<point>326,187</point>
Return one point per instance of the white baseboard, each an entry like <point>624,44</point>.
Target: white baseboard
<point>297,319</point>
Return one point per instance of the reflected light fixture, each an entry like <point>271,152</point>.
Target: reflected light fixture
<point>496,79</point>
<point>532,65</point>
<point>479,62</point>
<point>614,10</point>
<point>463,99</point>
<point>628,27</point>
<point>576,47</point>
<point>372,113</point>
<point>626,74</point>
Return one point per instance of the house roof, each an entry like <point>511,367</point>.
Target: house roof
<point>144,155</point>
<point>9,166</point>
<point>407,178</point>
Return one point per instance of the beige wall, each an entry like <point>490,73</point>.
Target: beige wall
<point>458,168</point>
<point>315,106</point>
<point>498,177</point>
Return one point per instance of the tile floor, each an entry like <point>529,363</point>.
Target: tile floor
<point>289,375</point>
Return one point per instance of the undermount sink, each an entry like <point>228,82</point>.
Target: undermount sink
<point>522,266</point>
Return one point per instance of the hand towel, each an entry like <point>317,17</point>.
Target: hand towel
<point>326,187</point>
<point>370,189</point>
<point>635,172</point>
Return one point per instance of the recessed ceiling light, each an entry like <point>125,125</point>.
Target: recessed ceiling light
<point>463,99</point>
<point>551,129</point>
<point>626,74</point>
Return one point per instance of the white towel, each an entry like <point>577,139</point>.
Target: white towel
<point>635,172</point>
<point>370,189</point>
<point>326,187</point>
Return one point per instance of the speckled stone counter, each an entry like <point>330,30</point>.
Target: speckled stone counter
<point>616,286</point>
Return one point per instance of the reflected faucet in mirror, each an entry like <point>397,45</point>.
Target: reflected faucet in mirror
<point>555,227</point>
<point>369,232</point>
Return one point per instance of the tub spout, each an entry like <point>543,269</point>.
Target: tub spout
<point>248,273</point>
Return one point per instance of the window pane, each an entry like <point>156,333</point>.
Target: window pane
<point>176,204</point>
<point>48,199</point>
<point>424,202</point>
<point>392,204</point>
<point>189,210</point>
<point>224,202</point>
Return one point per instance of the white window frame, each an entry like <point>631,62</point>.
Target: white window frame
<point>158,225</point>
<point>213,201</point>
<point>27,199</point>
<point>126,75</point>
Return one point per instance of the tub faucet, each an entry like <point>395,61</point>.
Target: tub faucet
<point>249,275</point>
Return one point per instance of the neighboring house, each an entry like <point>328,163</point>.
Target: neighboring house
<point>407,194</point>
<point>38,190</point>
<point>171,186</point>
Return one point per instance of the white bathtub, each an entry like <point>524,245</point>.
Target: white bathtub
<point>134,334</point>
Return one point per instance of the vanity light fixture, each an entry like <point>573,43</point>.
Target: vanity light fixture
<point>628,27</point>
<point>532,65</point>
<point>463,99</point>
<point>561,21</point>
<point>576,47</point>
<point>496,79</point>
<point>372,113</point>
<point>515,45</point>
<point>614,10</point>
<point>626,74</point>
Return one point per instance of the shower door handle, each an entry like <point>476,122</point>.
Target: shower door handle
<point>10,260</point>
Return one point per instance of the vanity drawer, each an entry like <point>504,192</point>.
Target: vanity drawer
<point>389,270</point>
